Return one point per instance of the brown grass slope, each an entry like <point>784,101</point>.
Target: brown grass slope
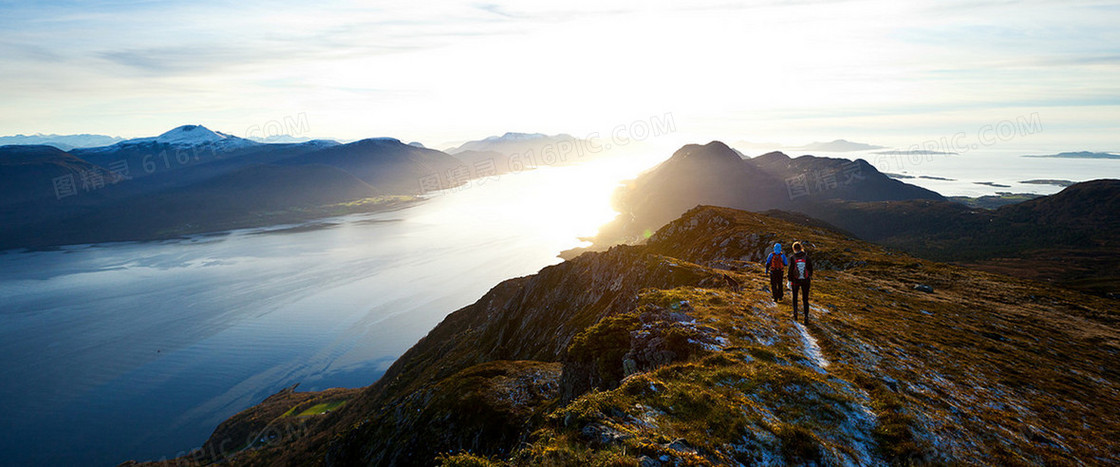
<point>673,353</point>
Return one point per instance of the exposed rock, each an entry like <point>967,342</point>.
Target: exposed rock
<point>601,436</point>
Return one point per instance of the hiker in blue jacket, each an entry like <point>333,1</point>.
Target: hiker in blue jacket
<point>775,263</point>
<point>800,277</point>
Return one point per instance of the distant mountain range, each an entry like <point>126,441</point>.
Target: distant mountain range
<point>280,139</point>
<point>515,152</point>
<point>63,142</point>
<point>192,179</point>
<point>1072,237</point>
<point>68,142</point>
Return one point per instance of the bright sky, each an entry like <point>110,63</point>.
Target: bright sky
<point>883,72</point>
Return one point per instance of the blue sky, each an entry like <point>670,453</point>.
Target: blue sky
<point>885,72</point>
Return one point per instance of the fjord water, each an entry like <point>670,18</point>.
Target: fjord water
<point>974,172</point>
<point>138,350</point>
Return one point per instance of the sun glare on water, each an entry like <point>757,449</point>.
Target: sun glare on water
<point>556,204</point>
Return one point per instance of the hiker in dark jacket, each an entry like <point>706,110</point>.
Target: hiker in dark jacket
<point>775,263</point>
<point>800,276</point>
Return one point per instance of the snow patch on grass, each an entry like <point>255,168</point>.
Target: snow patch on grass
<point>812,349</point>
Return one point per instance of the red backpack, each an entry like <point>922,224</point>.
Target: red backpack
<point>776,263</point>
<point>802,268</point>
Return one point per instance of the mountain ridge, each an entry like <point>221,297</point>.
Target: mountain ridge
<point>715,174</point>
<point>63,142</point>
<point>190,168</point>
<point>673,353</point>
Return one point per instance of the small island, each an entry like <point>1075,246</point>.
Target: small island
<point>925,177</point>
<point>1082,155</point>
<point>1047,181</point>
<point>993,184</point>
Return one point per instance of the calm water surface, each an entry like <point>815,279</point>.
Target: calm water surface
<point>138,350</point>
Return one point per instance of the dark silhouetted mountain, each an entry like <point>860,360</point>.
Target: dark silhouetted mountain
<point>715,174</point>
<point>1071,237</point>
<point>389,164</point>
<point>194,180</point>
<point>271,187</point>
<point>1085,215</point>
<point>1088,206</point>
<point>251,196</point>
<point>674,353</point>
<point>28,174</point>
<point>709,174</point>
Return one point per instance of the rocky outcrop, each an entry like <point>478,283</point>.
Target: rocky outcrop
<point>532,318</point>
<point>640,340</point>
<point>487,409</point>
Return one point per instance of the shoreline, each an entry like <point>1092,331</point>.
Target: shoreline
<point>295,218</point>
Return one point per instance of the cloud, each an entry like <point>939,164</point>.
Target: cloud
<point>441,65</point>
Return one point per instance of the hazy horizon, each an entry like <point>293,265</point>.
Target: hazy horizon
<point>877,72</point>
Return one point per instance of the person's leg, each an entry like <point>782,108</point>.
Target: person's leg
<point>805,298</point>
<point>793,291</point>
<point>776,285</point>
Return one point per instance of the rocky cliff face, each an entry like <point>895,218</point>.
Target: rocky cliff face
<point>673,353</point>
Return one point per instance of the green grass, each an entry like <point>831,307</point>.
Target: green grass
<point>319,409</point>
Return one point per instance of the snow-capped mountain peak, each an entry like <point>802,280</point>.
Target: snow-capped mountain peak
<point>190,134</point>
<point>185,136</point>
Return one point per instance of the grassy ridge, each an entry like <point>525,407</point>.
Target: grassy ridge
<point>673,353</point>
